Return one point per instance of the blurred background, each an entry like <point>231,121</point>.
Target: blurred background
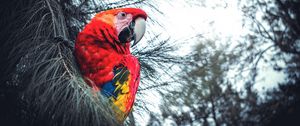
<point>204,62</point>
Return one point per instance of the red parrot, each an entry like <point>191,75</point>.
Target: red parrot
<point>102,50</point>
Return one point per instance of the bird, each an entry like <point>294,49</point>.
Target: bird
<point>102,51</point>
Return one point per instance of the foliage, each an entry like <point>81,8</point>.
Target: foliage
<point>278,26</point>
<point>207,96</point>
<point>40,81</point>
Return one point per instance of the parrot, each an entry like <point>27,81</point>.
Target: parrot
<point>102,51</point>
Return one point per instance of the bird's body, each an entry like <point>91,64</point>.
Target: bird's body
<point>103,53</point>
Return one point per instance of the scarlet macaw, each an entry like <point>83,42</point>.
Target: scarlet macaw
<point>102,50</point>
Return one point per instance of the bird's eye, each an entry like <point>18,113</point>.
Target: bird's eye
<point>121,15</point>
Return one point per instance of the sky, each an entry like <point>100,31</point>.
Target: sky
<point>215,19</point>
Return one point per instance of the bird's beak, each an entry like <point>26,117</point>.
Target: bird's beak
<point>139,30</point>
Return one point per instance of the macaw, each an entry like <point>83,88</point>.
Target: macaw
<point>102,50</point>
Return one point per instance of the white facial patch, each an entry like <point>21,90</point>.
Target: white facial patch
<point>122,22</point>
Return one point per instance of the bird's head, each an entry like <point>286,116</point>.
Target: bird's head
<point>123,25</point>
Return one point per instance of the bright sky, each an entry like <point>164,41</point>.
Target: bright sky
<point>181,21</point>
<point>217,19</point>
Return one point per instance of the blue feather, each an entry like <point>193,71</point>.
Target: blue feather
<point>108,89</point>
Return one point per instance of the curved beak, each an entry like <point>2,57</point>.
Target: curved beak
<point>139,30</point>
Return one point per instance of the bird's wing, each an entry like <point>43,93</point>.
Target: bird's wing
<point>122,89</point>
